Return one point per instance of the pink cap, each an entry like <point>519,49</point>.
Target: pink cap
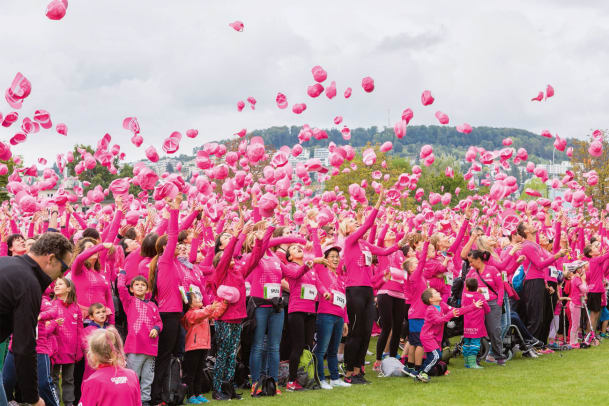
<point>56,9</point>
<point>331,90</point>
<point>427,98</point>
<point>368,84</point>
<point>442,118</point>
<point>282,101</point>
<point>237,26</point>
<point>151,154</point>
<point>319,74</point>
<point>62,129</point>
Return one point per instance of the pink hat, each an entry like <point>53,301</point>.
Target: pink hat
<point>407,115</point>
<point>331,90</point>
<point>56,9</point>
<point>368,84</point>
<point>427,98</point>
<point>267,204</point>
<point>315,90</point>
<point>319,74</point>
<point>228,293</point>
<point>282,101</point>
<point>19,90</point>
<point>165,190</point>
<point>43,118</point>
<point>347,93</point>
<point>464,128</point>
<point>442,118</point>
<point>237,26</point>
<point>10,118</point>
<point>298,108</point>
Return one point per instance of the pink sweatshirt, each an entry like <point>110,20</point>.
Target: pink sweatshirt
<point>414,287</point>
<point>433,327</point>
<point>493,280</point>
<point>111,386</point>
<point>69,334</point>
<point>91,286</point>
<point>47,341</point>
<point>579,289</point>
<point>303,288</point>
<point>393,286</point>
<point>331,282</point>
<point>168,276</point>
<point>596,273</point>
<point>357,263</point>
<point>90,329</point>
<point>434,275</point>
<point>537,261</point>
<point>473,322</point>
<point>142,317</point>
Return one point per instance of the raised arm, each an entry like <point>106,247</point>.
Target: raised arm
<point>79,261</point>
<point>459,239</point>
<point>172,237</point>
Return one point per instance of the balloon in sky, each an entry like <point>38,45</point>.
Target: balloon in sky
<point>237,26</point>
<point>56,9</point>
<point>427,98</point>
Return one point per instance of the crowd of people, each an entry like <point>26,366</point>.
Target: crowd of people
<point>103,309</point>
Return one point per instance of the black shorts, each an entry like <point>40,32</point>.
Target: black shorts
<point>414,339</point>
<point>594,301</point>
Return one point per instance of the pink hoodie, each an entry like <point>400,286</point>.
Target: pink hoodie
<point>493,280</point>
<point>579,289</point>
<point>537,260</point>
<point>596,273</point>
<point>168,276</point>
<point>331,282</point>
<point>142,317</point>
<point>357,263</point>
<point>303,288</point>
<point>111,386</point>
<point>69,334</point>
<point>91,286</point>
<point>473,322</point>
<point>47,341</point>
<point>433,327</point>
<point>414,287</point>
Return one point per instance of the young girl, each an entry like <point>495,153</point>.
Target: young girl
<point>198,341</point>
<point>473,323</point>
<point>579,289</point>
<point>97,319</point>
<point>69,338</point>
<point>111,384</point>
<point>143,327</point>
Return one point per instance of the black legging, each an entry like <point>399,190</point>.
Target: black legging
<point>192,371</point>
<point>168,346</point>
<point>360,310</point>
<point>548,314</point>
<point>533,303</point>
<point>301,328</point>
<point>391,317</point>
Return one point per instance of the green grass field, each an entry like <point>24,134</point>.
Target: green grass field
<point>577,377</point>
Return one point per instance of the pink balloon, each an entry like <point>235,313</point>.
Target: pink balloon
<point>596,148</point>
<point>298,108</point>
<point>368,84</point>
<point>331,90</point>
<point>570,152</point>
<point>532,192</point>
<point>347,93</point>
<point>442,118</point>
<point>62,129</point>
<point>400,129</point>
<point>539,97</point>
<point>464,128</point>
<point>449,173</point>
<point>507,142</point>
<point>346,132</point>
<point>387,146</point>
<point>131,124</point>
<point>559,143</point>
<point>281,100</point>
<point>407,115</point>
<point>192,133</point>
<point>151,154</point>
<point>338,120</point>
<point>240,105</point>
<point>319,74</point>
<point>546,133</point>
<point>427,98</point>
<point>549,91</point>
<point>296,150</point>
<point>426,150</point>
<point>137,140</point>
<point>315,90</point>
<point>19,90</point>
<point>56,9</point>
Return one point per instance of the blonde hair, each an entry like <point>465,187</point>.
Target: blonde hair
<point>483,245</point>
<point>106,347</point>
<point>435,239</point>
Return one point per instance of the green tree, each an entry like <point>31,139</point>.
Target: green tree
<point>4,179</point>
<point>434,180</point>
<point>535,184</point>
<point>583,163</point>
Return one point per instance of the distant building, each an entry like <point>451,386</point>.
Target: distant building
<point>323,154</point>
<point>556,169</point>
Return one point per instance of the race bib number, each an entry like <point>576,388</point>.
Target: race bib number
<point>504,276</point>
<point>484,292</point>
<point>272,290</point>
<point>367,257</point>
<point>183,293</point>
<point>308,292</point>
<point>553,272</point>
<point>397,275</point>
<point>448,278</point>
<point>248,288</point>
<point>339,299</point>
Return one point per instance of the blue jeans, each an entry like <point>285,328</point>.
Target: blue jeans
<point>46,388</point>
<point>329,332</point>
<point>268,322</point>
<point>505,317</point>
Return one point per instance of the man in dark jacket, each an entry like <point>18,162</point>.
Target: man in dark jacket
<point>23,279</point>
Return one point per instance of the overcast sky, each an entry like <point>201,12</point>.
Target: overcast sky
<point>177,65</point>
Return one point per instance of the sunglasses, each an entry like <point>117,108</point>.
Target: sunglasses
<point>64,266</point>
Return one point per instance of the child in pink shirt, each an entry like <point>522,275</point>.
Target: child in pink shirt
<point>473,323</point>
<point>579,289</point>
<point>97,319</point>
<point>69,338</point>
<point>111,384</point>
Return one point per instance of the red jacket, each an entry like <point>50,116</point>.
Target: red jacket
<point>196,323</point>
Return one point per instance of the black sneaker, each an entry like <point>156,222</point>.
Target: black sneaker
<point>219,396</point>
<point>360,378</point>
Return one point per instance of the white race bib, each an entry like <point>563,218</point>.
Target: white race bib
<point>308,292</point>
<point>272,290</point>
<point>397,275</point>
<point>448,278</point>
<point>484,292</point>
<point>339,299</point>
<point>367,257</point>
<point>183,293</point>
<point>553,272</point>
<point>195,289</point>
<point>248,288</point>
<point>504,276</point>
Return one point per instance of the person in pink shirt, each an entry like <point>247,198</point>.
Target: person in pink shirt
<point>69,338</point>
<point>473,323</point>
<point>111,384</point>
<point>143,328</point>
<point>97,319</point>
<point>595,277</point>
<point>437,313</point>
<point>86,274</point>
<point>577,294</point>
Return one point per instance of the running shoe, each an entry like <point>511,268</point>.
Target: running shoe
<point>423,377</point>
<point>325,385</point>
<point>339,383</point>
<point>377,366</point>
<point>293,386</point>
<point>409,372</point>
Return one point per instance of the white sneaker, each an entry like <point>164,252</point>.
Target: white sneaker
<point>325,385</point>
<point>339,383</point>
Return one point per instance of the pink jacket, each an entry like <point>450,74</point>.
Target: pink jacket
<point>69,334</point>
<point>537,261</point>
<point>596,273</point>
<point>331,282</point>
<point>92,327</point>
<point>579,289</point>
<point>168,276</point>
<point>91,286</point>
<point>303,282</point>
<point>394,286</point>
<point>434,275</point>
<point>357,266</point>
<point>111,386</point>
<point>433,327</point>
<point>414,287</point>
<point>142,317</point>
<point>473,322</point>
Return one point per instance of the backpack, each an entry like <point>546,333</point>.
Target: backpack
<point>518,279</point>
<point>439,369</point>
<point>266,385</point>
<point>391,366</point>
<point>284,373</point>
<point>456,290</point>
<point>307,372</point>
<point>173,391</point>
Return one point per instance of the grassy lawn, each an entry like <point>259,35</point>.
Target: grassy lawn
<point>577,377</point>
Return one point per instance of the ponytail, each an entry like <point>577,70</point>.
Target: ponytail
<point>161,242</point>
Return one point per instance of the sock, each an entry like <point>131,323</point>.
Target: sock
<point>417,368</point>
<point>410,365</point>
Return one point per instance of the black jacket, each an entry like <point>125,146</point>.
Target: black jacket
<point>21,285</point>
